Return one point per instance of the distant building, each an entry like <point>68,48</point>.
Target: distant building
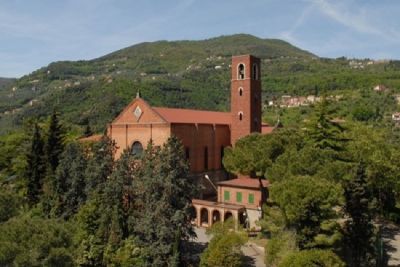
<point>396,117</point>
<point>380,88</point>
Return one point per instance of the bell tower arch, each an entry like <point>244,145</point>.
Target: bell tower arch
<point>245,96</point>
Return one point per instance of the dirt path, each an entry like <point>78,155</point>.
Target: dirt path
<point>391,239</point>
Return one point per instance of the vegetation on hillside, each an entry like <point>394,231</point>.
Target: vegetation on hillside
<point>193,74</point>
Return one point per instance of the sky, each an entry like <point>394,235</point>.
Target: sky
<point>36,33</point>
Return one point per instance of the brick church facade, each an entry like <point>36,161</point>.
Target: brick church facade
<point>204,134</point>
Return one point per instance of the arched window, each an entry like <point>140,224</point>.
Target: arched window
<point>240,91</point>
<point>255,72</point>
<point>137,149</point>
<point>240,72</point>
<point>240,115</point>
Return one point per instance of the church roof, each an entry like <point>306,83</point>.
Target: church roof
<point>246,182</point>
<point>177,115</point>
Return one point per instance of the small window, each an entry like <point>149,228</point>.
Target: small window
<point>239,197</point>
<point>205,158</point>
<point>240,116</point>
<point>255,72</point>
<point>240,91</point>
<point>137,149</point>
<point>251,198</point>
<point>187,153</point>
<point>226,195</point>
<point>240,72</point>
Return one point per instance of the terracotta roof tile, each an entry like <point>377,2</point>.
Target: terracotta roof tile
<point>245,182</point>
<point>92,138</point>
<point>175,115</point>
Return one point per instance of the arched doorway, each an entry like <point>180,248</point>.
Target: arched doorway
<point>228,215</point>
<point>216,216</point>
<point>203,217</point>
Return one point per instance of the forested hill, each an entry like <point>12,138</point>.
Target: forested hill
<point>178,74</point>
<point>5,82</point>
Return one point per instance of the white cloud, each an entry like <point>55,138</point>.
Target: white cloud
<point>357,19</point>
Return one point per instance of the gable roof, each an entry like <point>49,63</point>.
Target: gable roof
<point>127,113</point>
<point>177,115</point>
<point>245,182</point>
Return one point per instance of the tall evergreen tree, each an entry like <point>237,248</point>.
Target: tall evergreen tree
<point>55,142</point>
<point>359,227</point>
<point>69,191</point>
<point>323,131</point>
<point>100,165</point>
<point>166,192</point>
<point>35,170</point>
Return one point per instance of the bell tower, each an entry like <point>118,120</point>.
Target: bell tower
<point>245,96</point>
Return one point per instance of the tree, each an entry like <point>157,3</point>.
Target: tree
<point>312,258</point>
<point>55,142</point>
<point>35,170</point>
<point>254,154</point>
<point>165,189</point>
<point>307,204</point>
<point>224,247</point>
<point>100,165</point>
<point>69,190</point>
<point>279,246</point>
<point>36,242</point>
<point>323,131</point>
<point>359,228</point>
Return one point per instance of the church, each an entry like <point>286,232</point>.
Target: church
<point>204,134</point>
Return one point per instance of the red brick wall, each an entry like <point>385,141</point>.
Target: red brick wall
<point>249,103</point>
<point>126,129</point>
<point>198,136</point>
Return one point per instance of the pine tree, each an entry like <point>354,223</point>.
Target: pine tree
<point>35,170</point>
<point>55,142</point>
<point>359,227</point>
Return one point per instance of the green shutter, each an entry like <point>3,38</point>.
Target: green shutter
<point>239,197</point>
<point>226,195</point>
<point>251,198</point>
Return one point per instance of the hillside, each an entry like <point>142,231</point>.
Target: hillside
<point>5,82</point>
<point>191,74</point>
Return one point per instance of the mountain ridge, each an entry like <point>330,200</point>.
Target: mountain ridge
<point>186,74</point>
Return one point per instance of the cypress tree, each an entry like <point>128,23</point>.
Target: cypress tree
<point>166,192</point>
<point>55,142</point>
<point>69,191</point>
<point>100,165</point>
<point>35,170</point>
<point>359,227</point>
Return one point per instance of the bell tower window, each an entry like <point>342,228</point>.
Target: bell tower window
<point>240,115</point>
<point>240,72</point>
<point>240,91</point>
